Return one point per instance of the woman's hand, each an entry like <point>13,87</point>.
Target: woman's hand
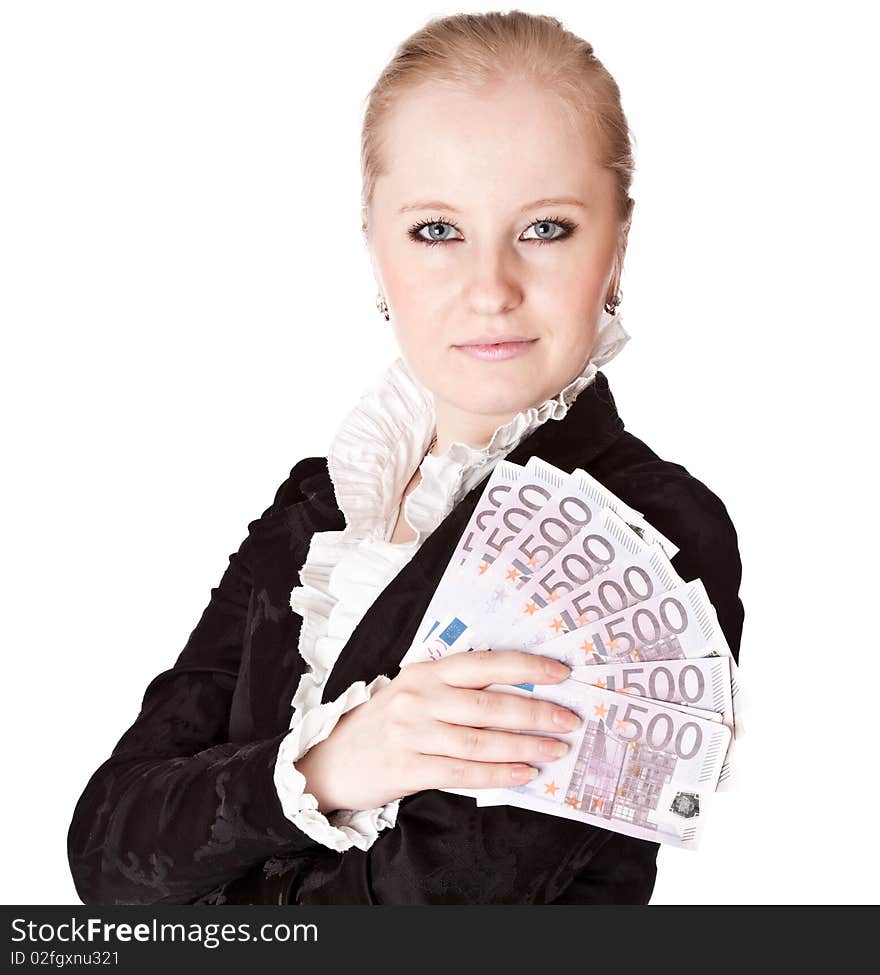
<point>426,729</point>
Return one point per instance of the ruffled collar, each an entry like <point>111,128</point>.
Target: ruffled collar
<point>384,438</point>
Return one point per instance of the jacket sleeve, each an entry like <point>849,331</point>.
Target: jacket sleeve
<point>623,870</point>
<point>177,809</point>
<point>344,828</point>
<point>699,523</point>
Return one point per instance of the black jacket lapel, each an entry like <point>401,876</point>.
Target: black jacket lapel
<point>389,626</point>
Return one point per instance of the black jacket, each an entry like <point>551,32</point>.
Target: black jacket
<point>184,811</point>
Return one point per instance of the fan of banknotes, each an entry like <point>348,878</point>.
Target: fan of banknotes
<point>553,563</point>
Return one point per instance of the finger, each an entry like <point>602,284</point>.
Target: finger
<point>482,708</point>
<point>483,667</point>
<point>480,745</point>
<point>440,772</point>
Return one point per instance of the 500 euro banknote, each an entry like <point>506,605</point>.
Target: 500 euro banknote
<point>634,766</point>
<point>529,513</point>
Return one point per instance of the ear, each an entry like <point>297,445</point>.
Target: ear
<point>368,243</point>
<point>622,241</point>
<point>377,277</point>
<point>624,233</point>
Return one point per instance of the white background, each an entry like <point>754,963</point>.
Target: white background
<point>180,238</point>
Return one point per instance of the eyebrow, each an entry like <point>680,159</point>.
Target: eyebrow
<point>544,202</point>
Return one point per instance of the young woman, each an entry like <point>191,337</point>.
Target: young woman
<point>285,757</point>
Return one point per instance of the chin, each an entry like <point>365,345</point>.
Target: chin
<point>503,399</point>
<point>491,388</point>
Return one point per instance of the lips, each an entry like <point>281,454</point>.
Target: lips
<point>497,339</point>
<point>493,350</point>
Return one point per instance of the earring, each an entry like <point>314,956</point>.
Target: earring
<point>382,305</point>
<point>611,306</point>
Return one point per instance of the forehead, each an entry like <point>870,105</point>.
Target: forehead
<point>506,143</point>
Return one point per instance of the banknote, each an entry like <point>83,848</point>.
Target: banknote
<point>510,501</point>
<point>703,686</point>
<point>509,506</point>
<point>701,683</point>
<point>672,625</point>
<point>494,797</point>
<point>533,490</point>
<point>634,766</point>
<point>677,622</point>
<point>579,586</point>
<point>509,485</point>
<point>698,687</point>
<point>606,548</point>
<point>515,519</point>
<point>527,540</point>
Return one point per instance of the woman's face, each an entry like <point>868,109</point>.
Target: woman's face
<point>488,261</point>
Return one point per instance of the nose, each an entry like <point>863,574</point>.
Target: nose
<point>493,285</point>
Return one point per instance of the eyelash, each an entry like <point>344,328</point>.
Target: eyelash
<point>563,222</point>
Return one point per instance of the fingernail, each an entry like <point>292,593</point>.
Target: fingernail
<point>567,720</point>
<point>555,749</point>
<point>524,773</point>
<point>556,668</point>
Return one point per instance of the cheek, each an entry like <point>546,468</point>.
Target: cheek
<point>581,292</point>
<point>417,292</point>
<point>572,309</point>
<point>417,346</point>
<point>420,312</point>
<point>575,327</point>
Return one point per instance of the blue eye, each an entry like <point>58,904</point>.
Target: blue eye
<point>439,230</point>
<point>547,226</point>
<point>435,228</point>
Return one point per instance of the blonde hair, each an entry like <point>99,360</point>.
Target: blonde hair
<point>471,51</point>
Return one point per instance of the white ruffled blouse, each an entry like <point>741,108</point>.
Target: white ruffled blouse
<point>371,460</point>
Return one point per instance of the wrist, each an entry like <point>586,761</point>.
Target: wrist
<point>309,766</point>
